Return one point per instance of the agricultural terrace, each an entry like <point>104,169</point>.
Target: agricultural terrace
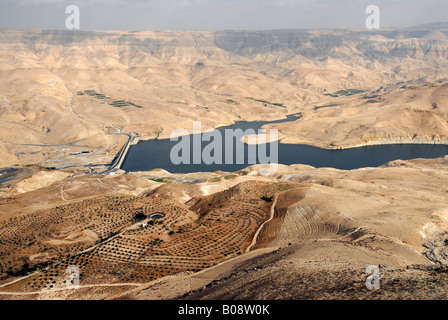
<point>120,239</point>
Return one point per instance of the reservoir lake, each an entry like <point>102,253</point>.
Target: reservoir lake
<point>154,154</point>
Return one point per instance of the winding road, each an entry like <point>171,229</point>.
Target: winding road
<point>254,240</point>
<point>68,289</point>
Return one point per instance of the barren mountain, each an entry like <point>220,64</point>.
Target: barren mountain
<point>71,100</point>
<point>62,86</point>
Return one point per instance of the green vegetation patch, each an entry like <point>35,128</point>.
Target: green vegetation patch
<point>230,101</point>
<point>268,102</point>
<point>119,104</point>
<point>122,103</point>
<point>286,186</point>
<point>215,179</point>
<point>230,176</point>
<point>164,180</point>
<point>100,96</point>
<point>135,105</point>
<point>375,96</point>
<point>345,93</point>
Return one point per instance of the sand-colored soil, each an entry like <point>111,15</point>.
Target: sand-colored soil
<point>67,99</point>
<point>318,222</point>
<point>58,87</point>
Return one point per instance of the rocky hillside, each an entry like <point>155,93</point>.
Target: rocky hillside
<point>61,86</point>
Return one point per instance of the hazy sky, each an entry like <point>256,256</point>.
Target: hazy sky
<point>218,14</point>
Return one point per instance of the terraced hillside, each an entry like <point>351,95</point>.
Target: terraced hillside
<point>116,240</point>
<point>325,230</point>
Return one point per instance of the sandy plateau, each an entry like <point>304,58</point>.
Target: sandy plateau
<point>71,102</point>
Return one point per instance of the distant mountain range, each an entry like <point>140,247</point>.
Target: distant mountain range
<point>175,76</point>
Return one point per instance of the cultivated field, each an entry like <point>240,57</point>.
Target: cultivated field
<point>130,239</point>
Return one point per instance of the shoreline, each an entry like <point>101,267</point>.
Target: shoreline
<point>327,146</point>
<point>216,127</point>
<point>377,142</point>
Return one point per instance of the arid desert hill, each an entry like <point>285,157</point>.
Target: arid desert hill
<point>58,87</point>
<point>303,233</point>
<point>299,233</point>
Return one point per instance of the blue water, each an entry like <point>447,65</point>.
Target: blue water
<point>157,215</point>
<point>153,154</point>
